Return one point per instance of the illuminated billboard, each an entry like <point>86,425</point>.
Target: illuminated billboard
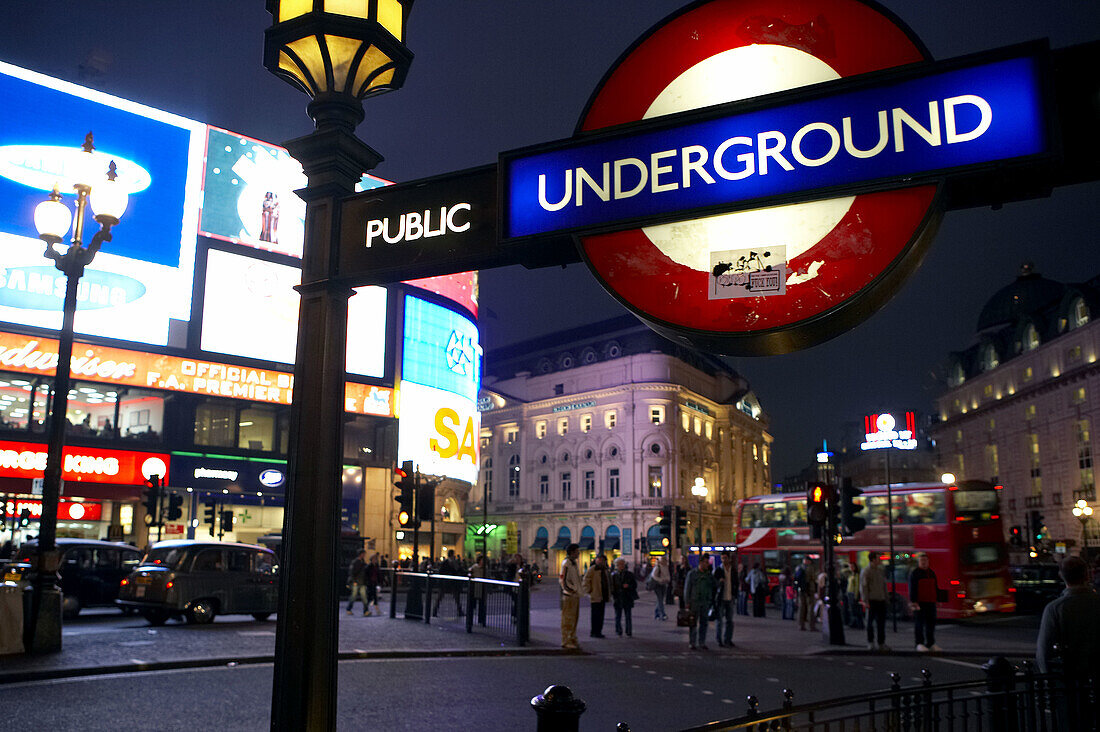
<point>460,287</point>
<point>439,432</point>
<point>250,309</point>
<point>248,193</point>
<point>143,277</point>
<point>441,349</point>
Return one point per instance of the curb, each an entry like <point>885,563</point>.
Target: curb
<point>15,677</point>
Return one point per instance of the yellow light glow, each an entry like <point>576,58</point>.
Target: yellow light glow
<point>352,8</point>
<point>341,51</point>
<point>309,51</point>
<point>389,17</point>
<point>288,65</point>
<point>372,60</point>
<point>293,8</point>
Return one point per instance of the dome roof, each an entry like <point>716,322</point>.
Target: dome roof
<point>1030,293</point>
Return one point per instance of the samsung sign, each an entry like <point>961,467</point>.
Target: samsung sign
<point>890,130</point>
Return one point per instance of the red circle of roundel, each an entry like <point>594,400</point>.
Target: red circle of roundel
<point>851,37</point>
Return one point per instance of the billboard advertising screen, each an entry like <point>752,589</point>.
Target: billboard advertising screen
<point>248,193</point>
<point>250,309</point>
<point>439,432</point>
<point>143,277</point>
<point>460,287</point>
<point>441,349</point>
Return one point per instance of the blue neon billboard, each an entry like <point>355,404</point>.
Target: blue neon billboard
<point>981,114</point>
<point>441,349</point>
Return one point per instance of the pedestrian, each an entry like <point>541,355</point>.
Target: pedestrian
<point>1069,633</point>
<point>806,586</point>
<point>872,595</point>
<point>682,571</point>
<point>726,577</point>
<point>476,603</point>
<point>743,589</point>
<point>787,592</point>
<point>597,585</point>
<point>374,578</point>
<point>357,581</point>
<point>924,593</point>
<point>569,579</point>
<point>820,610</point>
<point>699,588</point>
<point>851,592</point>
<point>658,582</point>
<point>624,591</point>
<point>758,588</point>
<point>846,611</point>
<point>449,567</point>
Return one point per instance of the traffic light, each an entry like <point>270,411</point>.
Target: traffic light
<point>209,515</point>
<point>175,501</point>
<point>406,493</point>
<point>1037,526</point>
<point>24,518</point>
<point>1016,537</point>
<point>227,521</point>
<point>817,508</point>
<point>151,499</point>
<point>664,525</point>
<point>425,500</point>
<point>850,523</point>
<point>681,524</point>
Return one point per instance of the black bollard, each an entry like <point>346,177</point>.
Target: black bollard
<point>1000,679</point>
<point>558,710</point>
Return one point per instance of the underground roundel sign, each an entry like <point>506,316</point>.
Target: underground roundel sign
<point>770,280</point>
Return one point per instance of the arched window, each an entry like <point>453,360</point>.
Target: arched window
<point>990,360</point>
<point>1080,312</point>
<point>487,478</point>
<point>513,476</point>
<point>1031,337</point>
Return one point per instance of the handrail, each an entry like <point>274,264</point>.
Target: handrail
<point>433,575</point>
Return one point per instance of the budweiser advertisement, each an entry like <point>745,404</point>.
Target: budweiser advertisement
<point>30,355</point>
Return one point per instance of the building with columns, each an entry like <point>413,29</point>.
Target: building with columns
<point>1021,403</point>
<point>587,433</point>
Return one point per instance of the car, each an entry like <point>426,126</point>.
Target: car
<point>199,580</point>
<point>90,571</point>
<point>1035,585</point>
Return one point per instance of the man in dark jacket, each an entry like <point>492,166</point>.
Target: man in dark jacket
<point>624,591</point>
<point>728,588</point>
<point>357,580</point>
<point>923,594</point>
<point>1070,629</point>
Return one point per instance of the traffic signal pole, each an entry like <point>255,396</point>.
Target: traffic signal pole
<point>834,622</point>
<point>416,522</point>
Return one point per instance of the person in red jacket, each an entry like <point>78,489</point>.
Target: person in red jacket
<point>924,592</point>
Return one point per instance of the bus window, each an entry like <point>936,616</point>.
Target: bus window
<point>775,514</point>
<point>920,508</point>
<point>771,561</point>
<point>982,553</point>
<point>876,510</point>
<point>975,505</point>
<point>796,513</point>
<point>750,515</point>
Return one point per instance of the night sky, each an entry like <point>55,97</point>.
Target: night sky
<point>491,75</point>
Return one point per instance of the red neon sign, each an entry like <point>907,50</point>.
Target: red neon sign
<point>66,510</point>
<point>82,464</point>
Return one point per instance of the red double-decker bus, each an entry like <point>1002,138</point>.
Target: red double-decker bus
<point>959,526</point>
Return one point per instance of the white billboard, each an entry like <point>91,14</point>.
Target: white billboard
<point>438,431</point>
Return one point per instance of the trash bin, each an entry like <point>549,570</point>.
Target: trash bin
<point>11,618</point>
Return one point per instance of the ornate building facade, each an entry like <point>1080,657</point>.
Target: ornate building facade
<point>1021,405</point>
<point>586,434</point>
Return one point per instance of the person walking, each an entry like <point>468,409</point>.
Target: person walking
<point>682,571</point>
<point>569,579</point>
<point>597,585</point>
<point>726,577</point>
<point>449,566</point>
<point>787,593</point>
<point>851,592</point>
<point>699,589</point>
<point>924,591</point>
<point>357,579</point>
<point>872,595</point>
<point>806,586</point>
<point>1069,633</point>
<point>758,588</point>
<point>374,578</point>
<point>659,578</point>
<point>624,591</point>
<point>743,590</point>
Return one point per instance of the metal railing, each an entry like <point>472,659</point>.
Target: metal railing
<point>499,606</point>
<point>1006,700</point>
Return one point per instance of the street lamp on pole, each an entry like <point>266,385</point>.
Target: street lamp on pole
<point>1083,511</point>
<point>338,52</point>
<point>699,490</point>
<point>93,179</point>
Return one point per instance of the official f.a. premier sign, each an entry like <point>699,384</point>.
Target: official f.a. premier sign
<point>911,128</point>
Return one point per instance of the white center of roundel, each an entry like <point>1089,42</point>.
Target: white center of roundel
<point>741,73</point>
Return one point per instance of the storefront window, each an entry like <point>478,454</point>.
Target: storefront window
<point>24,404</point>
<point>257,429</point>
<point>97,410</point>
<point>215,424</point>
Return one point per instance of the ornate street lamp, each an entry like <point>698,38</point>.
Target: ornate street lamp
<point>700,490</point>
<point>338,52</point>
<point>93,179</point>
<point>1083,511</point>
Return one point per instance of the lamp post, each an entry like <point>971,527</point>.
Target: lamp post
<point>338,52</point>
<point>1083,511</point>
<point>94,181</point>
<point>699,490</point>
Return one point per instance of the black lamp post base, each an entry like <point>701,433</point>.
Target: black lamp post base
<point>44,636</point>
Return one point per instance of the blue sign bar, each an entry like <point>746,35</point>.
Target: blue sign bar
<point>913,127</point>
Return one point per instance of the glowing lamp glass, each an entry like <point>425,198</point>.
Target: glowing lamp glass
<point>108,200</point>
<point>52,219</point>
